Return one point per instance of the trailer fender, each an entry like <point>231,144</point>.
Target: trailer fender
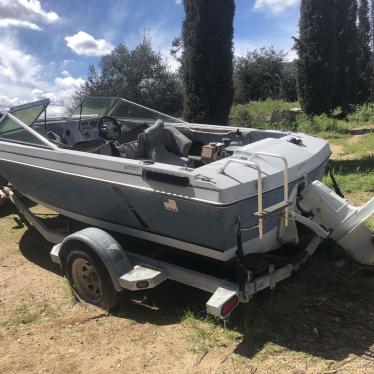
<point>103,245</point>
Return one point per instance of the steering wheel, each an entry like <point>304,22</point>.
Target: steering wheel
<point>109,128</point>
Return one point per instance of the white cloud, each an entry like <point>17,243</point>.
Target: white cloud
<point>24,78</point>
<point>7,102</point>
<point>9,22</point>
<point>25,14</point>
<point>17,66</point>
<point>242,47</point>
<point>291,55</point>
<point>178,2</point>
<point>60,93</point>
<point>67,81</point>
<point>161,38</point>
<point>84,44</point>
<point>275,6</point>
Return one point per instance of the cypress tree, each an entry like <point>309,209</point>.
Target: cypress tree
<point>364,54</point>
<point>317,59</point>
<point>347,70</point>
<point>207,60</point>
<point>372,45</point>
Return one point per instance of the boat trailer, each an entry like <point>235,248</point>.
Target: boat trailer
<point>329,216</point>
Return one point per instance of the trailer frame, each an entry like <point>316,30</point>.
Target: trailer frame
<point>131,271</point>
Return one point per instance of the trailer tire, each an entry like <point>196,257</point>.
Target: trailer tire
<point>89,279</point>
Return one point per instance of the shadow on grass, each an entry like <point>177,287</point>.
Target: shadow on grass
<point>324,311</point>
<point>37,250</point>
<point>8,208</point>
<point>361,131</point>
<point>364,164</point>
<point>162,306</point>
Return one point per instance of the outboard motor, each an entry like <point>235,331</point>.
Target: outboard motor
<point>345,221</point>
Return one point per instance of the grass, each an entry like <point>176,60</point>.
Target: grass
<point>363,114</point>
<point>353,182</point>
<point>258,112</point>
<point>354,175</point>
<point>69,293</point>
<point>370,224</point>
<point>208,332</point>
<point>23,315</point>
<point>28,313</point>
<point>361,147</point>
<point>334,138</point>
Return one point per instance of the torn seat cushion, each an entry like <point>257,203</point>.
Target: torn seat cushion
<point>176,142</point>
<point>129,150</point>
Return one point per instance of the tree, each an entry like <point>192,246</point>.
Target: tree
<point>364,53</point>
<point>139,75</point>
<point>207,60</point>
<point>372,45</point>
<point>317,58</point>
<point>346,68</point>
<point>264,74</point>
<point>290,81</point>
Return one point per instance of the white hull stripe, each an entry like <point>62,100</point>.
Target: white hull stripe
<point>146,189</point>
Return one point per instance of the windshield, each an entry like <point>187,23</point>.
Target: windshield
<point>137,113</point>
<point>29,113</point>
<point>94,107</point>
<point>120,108</point>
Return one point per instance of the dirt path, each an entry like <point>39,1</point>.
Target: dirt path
<point>357,135</point>
<point>337,151</point>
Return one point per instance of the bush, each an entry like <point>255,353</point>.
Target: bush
<point>264,73</point>
<point>139,75</point>
<point>363,113</point>
<point>322,123</point>
<point>258,114</point>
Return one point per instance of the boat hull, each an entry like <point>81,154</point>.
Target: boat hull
<point>195,226</point>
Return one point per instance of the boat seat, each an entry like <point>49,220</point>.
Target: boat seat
<point>151,146</point>
<point>130,133</point>
<point>90,146</point>
<point>55,138</point>
<point>176,142</point>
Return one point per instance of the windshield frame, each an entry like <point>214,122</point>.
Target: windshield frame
<point>115,102</point>
<point>166,117</point>
<point>112,102</point>
<point>44,103</point>
<point>45,141</point>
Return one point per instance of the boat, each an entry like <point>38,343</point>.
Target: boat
<point>214,191</point>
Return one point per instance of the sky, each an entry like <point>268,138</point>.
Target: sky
<point>46,46</point>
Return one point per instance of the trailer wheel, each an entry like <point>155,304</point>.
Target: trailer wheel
<point>89,279</point>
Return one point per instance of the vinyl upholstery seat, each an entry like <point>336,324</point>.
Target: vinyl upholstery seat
<point>158,144</point>
<point>90,146</point>
<point>177,142</point>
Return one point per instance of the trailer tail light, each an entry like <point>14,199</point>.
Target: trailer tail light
<point>142,284</point>
<point>229,306</point>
